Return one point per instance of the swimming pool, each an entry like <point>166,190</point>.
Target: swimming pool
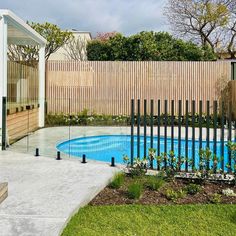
<point>102,148</point>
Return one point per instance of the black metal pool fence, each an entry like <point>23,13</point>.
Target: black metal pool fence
<point>169,117</point>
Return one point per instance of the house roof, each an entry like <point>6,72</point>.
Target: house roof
<point>19,32</point>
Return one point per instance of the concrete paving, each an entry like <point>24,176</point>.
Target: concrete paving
<point>44,193</point>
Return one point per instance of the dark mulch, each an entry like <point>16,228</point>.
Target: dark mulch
<point>119,196</point>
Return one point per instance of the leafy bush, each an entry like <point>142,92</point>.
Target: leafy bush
<point>192,189</point>
<point>215,198</point>
<point>139,167</point>
<point>228,192</point>
<point>85,117</point>
<point>153,183</point>
<point>135,190</point>
<point>117,181</point>
<point>174,195</point>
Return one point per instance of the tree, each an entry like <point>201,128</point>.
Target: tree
<point>212,23</point>
<point>76,49</point>
<point>146,46</point>
<point>55,37</point>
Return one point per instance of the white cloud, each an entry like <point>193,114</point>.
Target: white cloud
<point>125,16</point>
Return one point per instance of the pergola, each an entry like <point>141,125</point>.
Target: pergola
<point>14,30</point>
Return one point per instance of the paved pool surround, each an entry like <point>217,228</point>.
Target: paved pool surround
<point>47,139</point>
<point>44,193</point>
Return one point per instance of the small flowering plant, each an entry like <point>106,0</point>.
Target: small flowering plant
<point>228,192</point>
<point>139,166</point>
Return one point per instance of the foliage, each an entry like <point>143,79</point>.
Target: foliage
<point>135,190</point>
<point>206,158</point>
<point>215,198</point>
<point>139,167</point>
<point>171,164</point>
<point>154,182</point>
<point>153,220</point>
<point>232,147</point>
<point>55,37</point>
<point>146,46</point>
<point>117,181</point>
<point>174,195</point>
<point>76,48</point>
<point>85,118</point>
<point>228,192</point>
<point>192,189</point>
<point>211,23</point>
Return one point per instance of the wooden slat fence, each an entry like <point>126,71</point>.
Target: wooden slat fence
<point>108,87</point>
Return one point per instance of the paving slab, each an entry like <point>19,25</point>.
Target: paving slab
<point>43,193</point>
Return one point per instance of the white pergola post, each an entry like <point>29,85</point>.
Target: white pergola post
<point>3,63</point>
<point>41,86</point>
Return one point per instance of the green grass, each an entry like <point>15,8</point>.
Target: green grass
<point>138,220</point>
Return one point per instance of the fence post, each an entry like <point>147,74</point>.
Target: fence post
<point>186,136</point>
<point>230,134</point>
<point>179,132</point>
<point>158,130</point>
<point>151,127</point>
<point>172,124</point>
<point>193,135</point>
<point>208,130</point>
<point>138,129</point>
<point>222,136</point>
<point>165,132</point>
<point>132,132</point>
<point>145,128</point>
<point>4,125</point>
<point>200,130</point>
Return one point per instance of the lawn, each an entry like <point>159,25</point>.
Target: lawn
<point>149,220</point>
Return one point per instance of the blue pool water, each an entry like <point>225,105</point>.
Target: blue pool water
<point>102,148</point>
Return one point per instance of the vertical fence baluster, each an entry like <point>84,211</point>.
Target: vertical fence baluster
<point>208,130</point>
<point>165,132</point>
<point>132,132</point>
<point>138,129</point>
<point>172,125</point>
<point>215,134</point>
<point>229,134</point>
<point>151,126</point>
<point>222,136</point>
<point>158,130</point>
<point>179,131</point>
<point>200,130</point>
<point>186,135</point>
<point>145,129</point>
<point>193,135</point>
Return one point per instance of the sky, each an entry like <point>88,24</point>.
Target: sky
<point>125,16</point>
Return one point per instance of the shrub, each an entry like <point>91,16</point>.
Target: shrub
<point>153,183</point>
<point>215,198</point>
<point>229,192</point>
<point>135,190</point>
<point>117,181</point>
<point>139,167</point>
<point>192,189</point>
<point>174,195</point>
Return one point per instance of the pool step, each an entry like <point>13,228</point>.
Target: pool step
<point>3,191</point>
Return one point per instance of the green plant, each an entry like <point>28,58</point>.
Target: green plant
<point>215,198</point>
<point>192,189</point>
<point>139,167</point>
<point>117,181</point>
<point>135,190</point>
<point>153,182</point>
<point>171,164</point>
<point>174,195</point>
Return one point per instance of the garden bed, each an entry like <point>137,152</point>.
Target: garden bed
<point>167,193</point>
